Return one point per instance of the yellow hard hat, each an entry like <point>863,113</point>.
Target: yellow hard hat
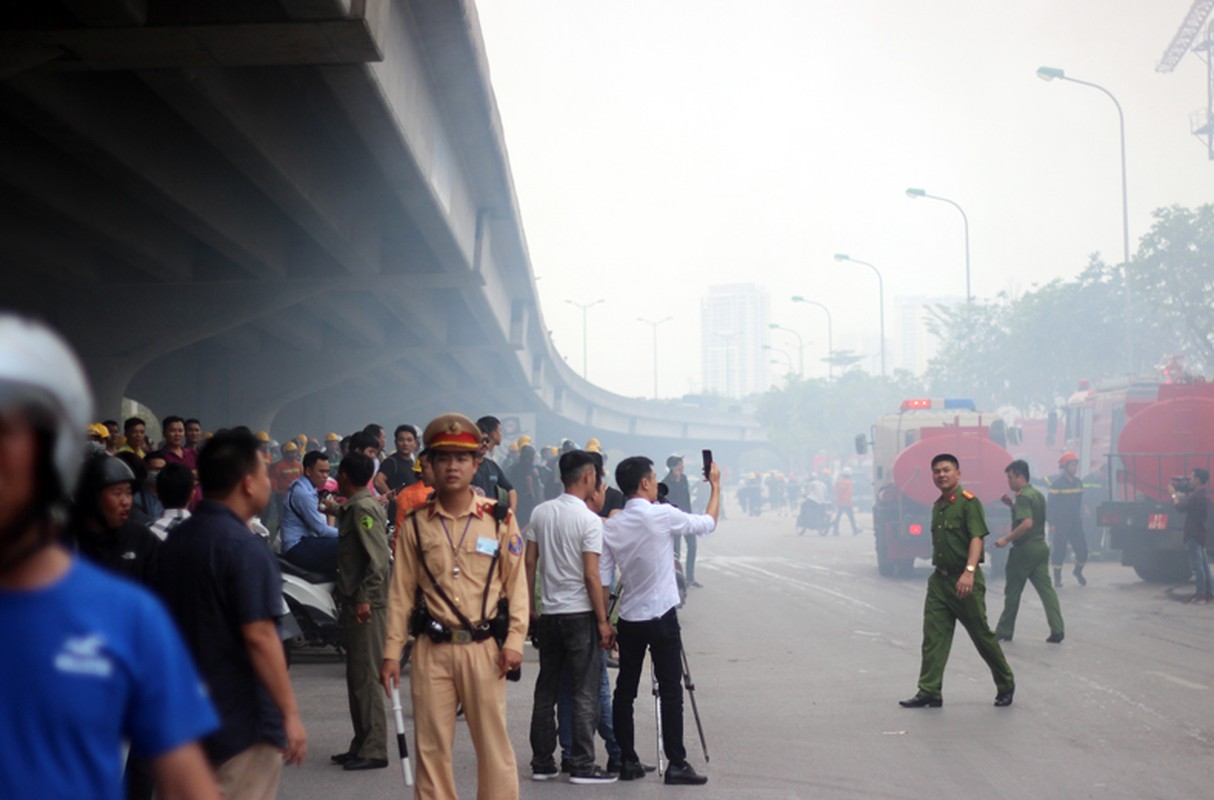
<point>523,440</point>
<point>593,446</point>
<point>262,436</point>
<point>97,429</point>
<point>332,437</point>
<point>290,447</point>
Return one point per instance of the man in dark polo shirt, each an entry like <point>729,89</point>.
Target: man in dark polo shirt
<point>223,588</point>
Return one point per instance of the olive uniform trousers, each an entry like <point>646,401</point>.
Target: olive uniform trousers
<point>1028,562</point>
<point>942,610</point>
<point>364,653</point>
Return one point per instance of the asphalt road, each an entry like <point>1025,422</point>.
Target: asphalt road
<point>800,652</point>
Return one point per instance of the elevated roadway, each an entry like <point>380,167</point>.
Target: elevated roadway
<point>292,214</point>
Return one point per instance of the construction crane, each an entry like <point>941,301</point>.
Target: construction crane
<point>1202,121</point>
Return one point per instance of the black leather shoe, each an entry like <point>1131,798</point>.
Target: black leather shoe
<point>341,758</point>
<point>1004,698</point>
<point>1055,638</point>
<point>648,767</point>
<point>631,771</point>
<point>355,764</point>
<point>684,775</point>
<point>922,700</point>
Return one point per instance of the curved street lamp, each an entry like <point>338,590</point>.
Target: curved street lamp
<point>585,307</point>
<point>830,335</point>
<point>880,299</point>
<point>916,193</point>
<point>654,324</point>
<point>800,344</point>
<point>1051,74</point>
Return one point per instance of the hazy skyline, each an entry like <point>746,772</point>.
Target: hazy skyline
<point>660,148</point>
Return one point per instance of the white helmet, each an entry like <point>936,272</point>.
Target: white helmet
<point>39,372</point>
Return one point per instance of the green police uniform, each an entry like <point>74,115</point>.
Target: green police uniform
<point>1029,561</point>
<point>362,577</point>
<point>956,520</point>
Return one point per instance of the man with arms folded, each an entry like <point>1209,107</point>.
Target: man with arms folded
<point>566,538</point>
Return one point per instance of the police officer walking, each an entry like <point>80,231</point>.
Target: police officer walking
<point>1029,557</point>
<point>362,588</point>
<point>956,591</point>
<point>1066,513</point>
<point>461,556</point>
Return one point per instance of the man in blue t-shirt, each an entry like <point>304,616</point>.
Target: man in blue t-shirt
<point>222,586</point>
<point>91,660</point>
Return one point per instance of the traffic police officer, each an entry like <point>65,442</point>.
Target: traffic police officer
<point>460,554</point>
<point>1066,509</point>
<point>362,588</point>
<point>956,591</point>
<point>1029,557</point>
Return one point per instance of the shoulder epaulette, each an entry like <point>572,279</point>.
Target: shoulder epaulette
<point>967,494</point>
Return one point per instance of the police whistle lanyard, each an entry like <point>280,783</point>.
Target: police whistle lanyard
<point>455,548</point>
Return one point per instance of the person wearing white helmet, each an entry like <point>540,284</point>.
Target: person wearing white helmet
<point>92,660</point>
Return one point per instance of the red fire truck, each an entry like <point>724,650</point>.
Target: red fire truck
<point>903,446</point>
<point>1140,437</point>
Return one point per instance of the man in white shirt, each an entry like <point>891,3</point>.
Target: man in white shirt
<point>639,542</point>
<point>565,537</point>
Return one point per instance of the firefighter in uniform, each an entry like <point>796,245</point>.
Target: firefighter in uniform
<point>1029,557</point>
<point>462,557</point>
<point>362,588</point>
<point>1066,515</point>
<point>956,591</point>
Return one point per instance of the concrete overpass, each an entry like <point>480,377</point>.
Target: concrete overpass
<point>292,214</point>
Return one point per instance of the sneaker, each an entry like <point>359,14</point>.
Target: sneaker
<point>545,773</point>
<point>592,776</point>
<point>696,585</point>
<point>1055,638</point>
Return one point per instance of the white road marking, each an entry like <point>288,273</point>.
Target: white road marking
<point>1178,681</point>
<point>743,567</point>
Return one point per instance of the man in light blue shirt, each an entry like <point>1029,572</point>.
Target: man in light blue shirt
<point>308,540</point>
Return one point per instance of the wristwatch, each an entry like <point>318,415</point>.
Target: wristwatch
<point>969,567</point>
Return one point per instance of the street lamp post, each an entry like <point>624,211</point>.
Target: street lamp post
<point>654,324</point>
<point>585,307</point>
<point>784,353</point>
<point>800,345</point>
<point>830,335</point>
<point>914,193</point>
<point>880,299</point>
<point>1053,73</point>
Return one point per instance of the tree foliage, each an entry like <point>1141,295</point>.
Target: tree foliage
<point>1030,351</point>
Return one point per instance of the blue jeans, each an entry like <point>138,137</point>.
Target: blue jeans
<point>564,714</point>
<point>1201,568</point>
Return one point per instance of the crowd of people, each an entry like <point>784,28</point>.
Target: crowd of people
<point>146,575</point>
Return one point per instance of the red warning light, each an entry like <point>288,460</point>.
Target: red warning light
<point>915,529</point>
<point>910,405</point>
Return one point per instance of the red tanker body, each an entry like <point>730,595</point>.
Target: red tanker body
<point>903,446</point>
<point>1161,438</point>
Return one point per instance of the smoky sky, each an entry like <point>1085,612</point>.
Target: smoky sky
<point>660,148</point>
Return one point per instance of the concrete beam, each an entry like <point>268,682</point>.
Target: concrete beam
<point>265,122</point>
<point>187,182</point>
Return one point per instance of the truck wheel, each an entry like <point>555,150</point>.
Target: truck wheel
<point>1164,568</point>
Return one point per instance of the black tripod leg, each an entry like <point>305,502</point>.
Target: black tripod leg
<point>695,709</point>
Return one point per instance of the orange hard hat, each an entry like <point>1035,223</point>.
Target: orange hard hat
<point>1067,458</point>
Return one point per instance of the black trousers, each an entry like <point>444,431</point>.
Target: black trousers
<point>569,644</point>
<point>663,639</point>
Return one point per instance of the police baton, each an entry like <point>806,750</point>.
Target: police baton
<point>401,746</point>
<point>695,710</point>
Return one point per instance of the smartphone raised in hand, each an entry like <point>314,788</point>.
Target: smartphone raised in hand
<point>707,456</point>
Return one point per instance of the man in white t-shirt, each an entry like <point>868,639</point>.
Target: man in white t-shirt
<point>565,539</point>
<point>638,541</point>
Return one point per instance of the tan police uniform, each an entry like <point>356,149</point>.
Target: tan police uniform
<point>458,551</point>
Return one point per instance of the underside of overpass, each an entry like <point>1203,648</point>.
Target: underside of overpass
<point>291,214</point>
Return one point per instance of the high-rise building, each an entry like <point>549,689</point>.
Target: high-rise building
<point>733,325</point>
<point>916,345</point>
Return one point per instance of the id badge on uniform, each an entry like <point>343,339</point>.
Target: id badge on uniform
<point>486,546</point>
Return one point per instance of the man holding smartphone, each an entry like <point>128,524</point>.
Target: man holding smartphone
<point>637,541</point>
